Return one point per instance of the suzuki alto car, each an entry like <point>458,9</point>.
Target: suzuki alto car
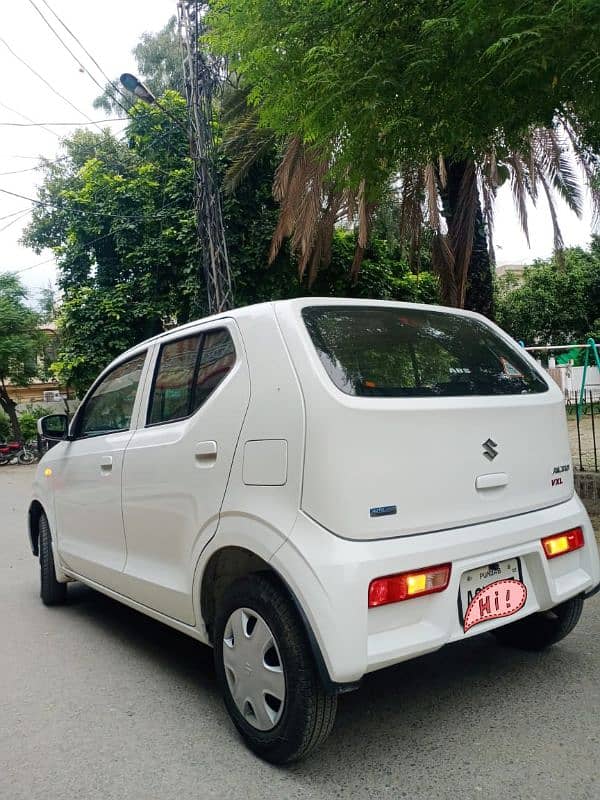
<point>319,489</point>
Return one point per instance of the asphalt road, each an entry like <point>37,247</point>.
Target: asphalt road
<point>97,701</point>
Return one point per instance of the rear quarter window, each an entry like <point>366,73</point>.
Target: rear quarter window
<point>394,352</point>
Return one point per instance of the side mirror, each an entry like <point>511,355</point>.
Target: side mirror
<point>54,427</point>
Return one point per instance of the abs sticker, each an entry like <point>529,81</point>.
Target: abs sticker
<point>499,599</point>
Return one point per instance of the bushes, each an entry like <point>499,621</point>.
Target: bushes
<point>5,432</point>
<point>28,421</point>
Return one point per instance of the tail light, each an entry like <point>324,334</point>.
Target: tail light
<point>565,542</point>
<point>406,585</point>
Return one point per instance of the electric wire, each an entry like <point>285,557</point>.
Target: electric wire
<point>15,213</point>
<point>137,218</point>
<point>33,169</point>
<point>24,116</point>
<point>44,81</point>
<point>72,54</point>
<point>16,219</point>
<point>115,88</point>
<point>114,85</point>
<point>32,266</point>
<point>112,232</point>
<point>57,124</point>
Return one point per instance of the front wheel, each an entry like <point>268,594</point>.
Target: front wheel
<point>539,631</point>
<point>27,457</point>
<point>52,592</point>
<point>267,674</point>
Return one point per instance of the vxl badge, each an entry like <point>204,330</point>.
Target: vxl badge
<point>489,449</point>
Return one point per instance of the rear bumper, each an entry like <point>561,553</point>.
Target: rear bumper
<point>591,592</point>
<point>330,577</point>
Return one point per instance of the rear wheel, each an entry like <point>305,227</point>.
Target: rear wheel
<point>267,674</point>
<point>543,629</point>
<point>52,592</point>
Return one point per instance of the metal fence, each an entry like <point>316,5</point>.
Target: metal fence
<point>583,420</point>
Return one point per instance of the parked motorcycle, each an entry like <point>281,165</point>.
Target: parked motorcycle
<point>17,453</point>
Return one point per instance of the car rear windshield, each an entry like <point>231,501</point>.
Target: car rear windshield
<point>375,351</point>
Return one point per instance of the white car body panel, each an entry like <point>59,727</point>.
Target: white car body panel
<point>298,466</point>
<point>173,487</point>
<point>423,455</point>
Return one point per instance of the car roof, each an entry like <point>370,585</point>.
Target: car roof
<point>283,307</point>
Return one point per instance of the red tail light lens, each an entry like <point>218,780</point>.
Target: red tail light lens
<point>406,585</point>
<point>565,542</point>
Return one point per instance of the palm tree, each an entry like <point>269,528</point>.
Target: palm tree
<point>453,198</point>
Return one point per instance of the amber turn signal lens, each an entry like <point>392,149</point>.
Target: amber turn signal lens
<point>565,542</point>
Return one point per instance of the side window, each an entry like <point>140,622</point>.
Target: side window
<point>188,371</point>
<point>173,380</point>
<point>217,357</point>
<point>110,406</point>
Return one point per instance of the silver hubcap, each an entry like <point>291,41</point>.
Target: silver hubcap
<point>254,669</point>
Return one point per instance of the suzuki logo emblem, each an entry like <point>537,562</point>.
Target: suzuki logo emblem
<point>489,449</point>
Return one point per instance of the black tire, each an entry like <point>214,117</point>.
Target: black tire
<point>308,712</point>
<point>52,592</point>
<point>541,630</point>
<point>26,457</point>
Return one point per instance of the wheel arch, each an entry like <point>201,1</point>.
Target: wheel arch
<point>231,562</point>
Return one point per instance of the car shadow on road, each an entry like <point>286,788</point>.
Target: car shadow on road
<point>422,715</point>
<point>445,713</point>
<point>184,657</point>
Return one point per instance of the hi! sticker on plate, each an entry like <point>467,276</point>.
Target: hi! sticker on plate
<point>499,599</point>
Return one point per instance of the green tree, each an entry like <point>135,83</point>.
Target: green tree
<point>158,59</point>
<point>118,216</point>
<point>20,344</point>
<point>554,303</point>
<point>421,94</point>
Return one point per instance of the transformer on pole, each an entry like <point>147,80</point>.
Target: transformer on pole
<point>203,77</point>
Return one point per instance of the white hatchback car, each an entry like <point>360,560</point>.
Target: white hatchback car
<point>319,489</point>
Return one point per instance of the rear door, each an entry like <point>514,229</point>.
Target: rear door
<point>421,420</point>
<point>178,461</point>
<point>87,478</point>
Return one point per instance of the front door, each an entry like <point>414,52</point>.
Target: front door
<point>90,532</point>
<point>177,463</point>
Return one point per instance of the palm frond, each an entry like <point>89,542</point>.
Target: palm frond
<point>558,239</point>
<point>442,171</point>
<point>553,156</point>
<point>589,163</point>
<point>443,264</point>
<point>431,189</point>
<point>519,186</point>
<point>463,228</point>
<point>488,193</point>
<point>411,210</point>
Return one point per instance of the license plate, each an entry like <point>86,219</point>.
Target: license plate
<point>473,581</point>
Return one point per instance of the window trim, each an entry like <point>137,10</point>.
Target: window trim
<point>78,419</point>
<point>201,334</point>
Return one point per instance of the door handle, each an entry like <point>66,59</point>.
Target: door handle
<point>106,464</point>
<point>493,481</point>
<point>206,453</point>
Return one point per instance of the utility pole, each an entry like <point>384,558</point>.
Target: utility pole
<point>202,79</point>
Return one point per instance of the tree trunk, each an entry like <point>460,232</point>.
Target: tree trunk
<point>467,282</point>
<point>480,280</point>
<point>10,407</point>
